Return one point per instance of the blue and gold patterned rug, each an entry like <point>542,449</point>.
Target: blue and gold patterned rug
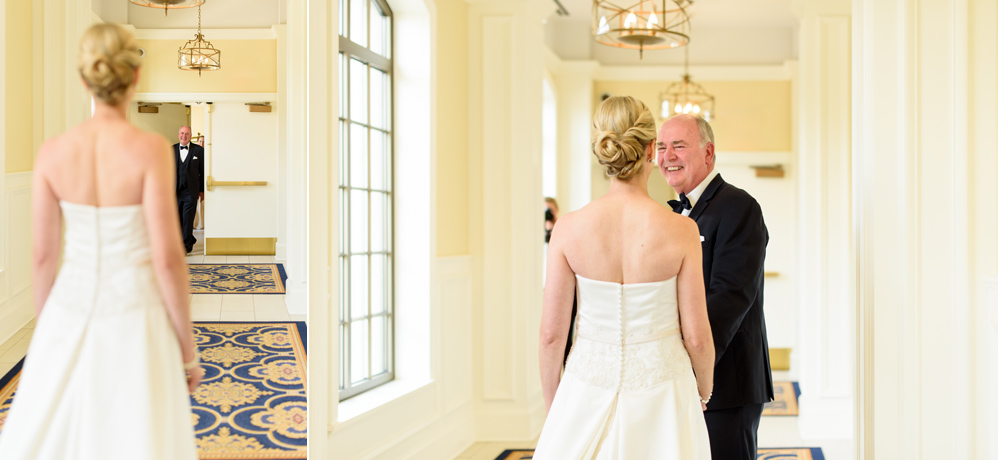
<point>251,404</point>
<point>785,399</point>
<point>792,453</point>
<point>237,278</point>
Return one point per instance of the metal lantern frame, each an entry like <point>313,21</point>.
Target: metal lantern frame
<point>199,54</point>
<point>642,25</point>
<point>687,96</point>
<point>166,5</point>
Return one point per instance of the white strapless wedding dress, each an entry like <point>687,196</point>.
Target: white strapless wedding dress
<point>628,391</point>
<point>103,378</point>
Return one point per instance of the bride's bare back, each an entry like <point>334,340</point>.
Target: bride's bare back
<point>104,162</point>
<point>626,239</point>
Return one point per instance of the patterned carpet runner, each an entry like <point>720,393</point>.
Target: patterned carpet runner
<point>786,394</point>
<point>251,403</point>
<point>794,453</point>
<point>237,278</point>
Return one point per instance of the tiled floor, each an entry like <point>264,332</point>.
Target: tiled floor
<point>774,431</point>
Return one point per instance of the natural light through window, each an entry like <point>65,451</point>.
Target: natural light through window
<point>366,246</point>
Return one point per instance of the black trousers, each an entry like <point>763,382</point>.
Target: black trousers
<point>734,432</point>
<point>187,206</point>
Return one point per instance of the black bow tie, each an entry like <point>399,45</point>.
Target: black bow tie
<point>184,147</point>
<point>682,203</point>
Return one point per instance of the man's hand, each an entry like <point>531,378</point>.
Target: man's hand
<point>201,196</point>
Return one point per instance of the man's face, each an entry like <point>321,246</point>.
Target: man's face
<point>184,135</point>
<point>681,160</point>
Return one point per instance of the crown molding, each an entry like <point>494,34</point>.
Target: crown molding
<point>215,34</point>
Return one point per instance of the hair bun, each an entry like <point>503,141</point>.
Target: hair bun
<point>109,56</point>
<point>622,129</point>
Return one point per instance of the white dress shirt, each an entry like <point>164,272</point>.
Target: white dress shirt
<point>184,152</point>
<point>694,195</point>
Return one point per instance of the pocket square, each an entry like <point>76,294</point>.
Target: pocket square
<point>702,239</point>
<point>197,158</point>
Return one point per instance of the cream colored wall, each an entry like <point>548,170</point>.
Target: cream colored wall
<point>452,128</point>
<point>197,122</point>
<point>19,87</point>
<point>752,116</point>
<point>248,66</point>
<point>166,123</point>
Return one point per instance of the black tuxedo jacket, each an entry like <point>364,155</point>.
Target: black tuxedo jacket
<point>734,251</point>
<point>195,168</point>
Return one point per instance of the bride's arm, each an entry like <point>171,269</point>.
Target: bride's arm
<point>693,310</point>
<point>163,222</point>
<point>47,223</point>
<point>556,316</point>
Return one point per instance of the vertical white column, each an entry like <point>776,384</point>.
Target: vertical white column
<point>297,230</point>
<point>54,50</point>
<point>4,226</point>
<point>505,102</point>
<point>321,181</point>
<point>825,294</point>
<point>983,113</point>
<point>281,31</point>
<point>574,80</point>
<point>78,17</point>
<point>915,169</point>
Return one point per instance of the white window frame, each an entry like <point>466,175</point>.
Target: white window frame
<point>349,49</point>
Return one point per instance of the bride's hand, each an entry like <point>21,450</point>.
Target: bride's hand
<point>194,378</point>
<point>703,407</point>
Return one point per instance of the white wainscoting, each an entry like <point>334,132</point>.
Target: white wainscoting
<point>15,259</point>
<point>987,381</point>
<point>432,419</point>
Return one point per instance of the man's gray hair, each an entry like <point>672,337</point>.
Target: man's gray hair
<point>706,134</point>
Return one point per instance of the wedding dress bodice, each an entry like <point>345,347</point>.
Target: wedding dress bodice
<point>106,261</point>
<point>105,237</point>
<point>628,335</point>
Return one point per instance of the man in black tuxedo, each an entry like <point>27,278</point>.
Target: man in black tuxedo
<point>734,239</point>
<point>189,159</point>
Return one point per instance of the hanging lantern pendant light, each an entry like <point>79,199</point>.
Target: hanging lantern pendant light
<point>687,97</point>
<point>166,5</point>
<point>199,54</point>
<point>645,24</point>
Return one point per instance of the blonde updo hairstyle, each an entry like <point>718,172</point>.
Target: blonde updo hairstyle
<point>109,56</point>
<point>622,129</point>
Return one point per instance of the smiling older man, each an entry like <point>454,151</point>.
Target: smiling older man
<point>734,239</point>
<point>189,159</point>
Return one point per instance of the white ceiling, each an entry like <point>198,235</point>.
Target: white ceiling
<point>723,32</point>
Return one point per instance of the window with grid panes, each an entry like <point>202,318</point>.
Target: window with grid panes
<point>366,248</point>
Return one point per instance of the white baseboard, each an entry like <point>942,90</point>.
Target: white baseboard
<point>829,418</point>
<point>281,252</point>
<point>296,297</point>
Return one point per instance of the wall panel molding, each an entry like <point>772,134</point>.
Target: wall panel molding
<point>15,254</point>
<point>825,248</point>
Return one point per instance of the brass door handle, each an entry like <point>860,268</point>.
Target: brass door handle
<point>211,183</point>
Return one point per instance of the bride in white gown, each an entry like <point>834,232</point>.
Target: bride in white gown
<point>629,390</point>
<point>104,377</point>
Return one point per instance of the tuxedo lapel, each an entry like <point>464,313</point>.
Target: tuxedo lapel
<point>704,200</point>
